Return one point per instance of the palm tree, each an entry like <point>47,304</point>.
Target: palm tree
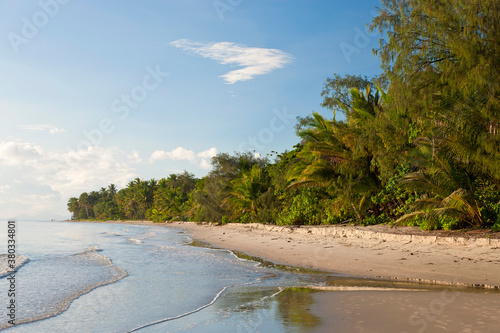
<point>246,189</point>
<point>446,190</point>
<point>339,156</point>
<point>112,190</point>
<point>83,202</point>
<point>457,157</point>
<point>73,207</point>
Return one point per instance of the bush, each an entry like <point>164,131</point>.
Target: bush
<point>441,222</point>
<point>332,214</point>
<point>303,210</point>
<point>372,219</point>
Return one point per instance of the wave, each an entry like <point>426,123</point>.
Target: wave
<point>5,268</point>
<point>94,248</point>
<point>135,240</point>
<point>107,233</point>
<point>139,238</point>
<point>50,285</point>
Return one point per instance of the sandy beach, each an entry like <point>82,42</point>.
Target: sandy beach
<point>446,258</point>
<point>378,251</point>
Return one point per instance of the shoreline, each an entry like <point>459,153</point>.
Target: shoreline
<point>403,253</point>
<point>363,252</point>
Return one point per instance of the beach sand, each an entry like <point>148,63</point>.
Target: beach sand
<point>408,254</point>
<point>383,252</point>
<point>403,311</point>
<point>370,252</point>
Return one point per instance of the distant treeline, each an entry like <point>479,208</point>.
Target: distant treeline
<point>418,145</point>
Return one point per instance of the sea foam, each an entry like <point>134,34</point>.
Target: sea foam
<point>5,268</point>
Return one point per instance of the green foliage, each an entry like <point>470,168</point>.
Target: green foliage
<point>372,219</point>
<point>435,223</point>
<point>337,91</point>
<point>225,189</point>
<point>489,199</point>
<point>341,157</point>
<point>449,45</point>
<point>332,213</point>
<point>224,220</point>
<point>171,199</point>
<point>394,200</point>
<point>159,201</point>
<point>246,189</point>
<point>303,210</point>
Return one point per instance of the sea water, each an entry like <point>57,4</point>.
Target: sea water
<point>97,277</point>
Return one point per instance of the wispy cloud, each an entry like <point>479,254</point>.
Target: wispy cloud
<point>180,153</point>
<point>52,129</point>
<point>254,60</point>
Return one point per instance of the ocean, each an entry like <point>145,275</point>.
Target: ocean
<point>99,277</point>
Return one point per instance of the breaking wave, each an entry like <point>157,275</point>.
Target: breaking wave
<point>5,269</point>
<point>47,287</point>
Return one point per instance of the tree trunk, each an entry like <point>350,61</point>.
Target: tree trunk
<point>357,213</point>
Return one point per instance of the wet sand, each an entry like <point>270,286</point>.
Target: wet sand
<point>403,311</point>
<point>380,252</point>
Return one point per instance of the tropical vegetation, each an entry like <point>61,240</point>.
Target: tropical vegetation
<point>418,145</point>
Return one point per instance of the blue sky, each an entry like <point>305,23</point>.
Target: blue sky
<point>99,92</point>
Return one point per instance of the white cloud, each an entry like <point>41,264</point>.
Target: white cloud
<point>15,153</point>
<point>52,129</point>
<point>209,153</point>
<point>204,164</point>
<point>181,153</point>
<point>38,182</point>
<point>254,60</point>
<point>4,188</point>
<point>42,180</point>
<point>134,157</point>
<point>178,153</point>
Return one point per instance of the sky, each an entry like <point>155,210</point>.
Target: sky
<point>98,92</point>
